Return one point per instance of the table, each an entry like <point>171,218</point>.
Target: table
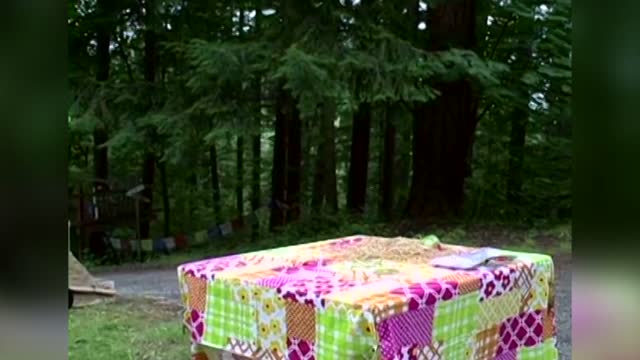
<point>361,297</point>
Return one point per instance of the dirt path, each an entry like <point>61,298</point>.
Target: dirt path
<point>164,284</point>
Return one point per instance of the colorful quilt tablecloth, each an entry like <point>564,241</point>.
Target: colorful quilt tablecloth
<point>316,301</point>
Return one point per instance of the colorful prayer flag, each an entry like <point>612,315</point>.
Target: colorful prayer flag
<point>135,245</point>
<point>116,244</point>
<point>126,246</point>
<point>181,241</point>
<point>237,224</point>
<point>200,237</point>
<point>147,245</point>
<point>214,233</point>
<point>280,205</point>
<point>252,219</point>
<point>170,243</point>
<point>226,229</point>
<point>262,212</point>
<point>159,246</point>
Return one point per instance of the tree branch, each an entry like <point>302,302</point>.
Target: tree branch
<point>484,111</point>
<point>124,57</point>
<point>500,37</point>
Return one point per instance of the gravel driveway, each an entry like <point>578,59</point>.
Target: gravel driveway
<point>164,284</point>
<point>153,283</point>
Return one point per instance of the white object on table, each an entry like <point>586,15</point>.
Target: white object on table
<point>470,260</point>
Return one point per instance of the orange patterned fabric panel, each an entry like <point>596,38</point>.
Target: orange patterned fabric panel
<point>197,289</point>
<point>468,283</point>
<point>301,321</point>
<point>487,341</point>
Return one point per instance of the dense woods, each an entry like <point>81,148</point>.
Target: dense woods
<point>372,110</point>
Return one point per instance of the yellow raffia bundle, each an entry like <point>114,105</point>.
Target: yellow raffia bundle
<point>397,249</point>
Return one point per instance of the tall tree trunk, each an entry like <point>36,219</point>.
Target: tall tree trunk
<point>278,175</point>
<point>331,182</point>
<point>317,192</point>
<point>100,157</point>
<point>103,57</point>
<point>256,147</point>
<point>443,128</point>
<point>150,70</point>
<point>519,117</point>
<point>359,162</point>
<point>402,172</point>
<point>402,159</point>
<point>100,135</point>
<point>285,177</point>
<point>192,182</point>
<point>516,155</point>
<point>240,175</point>
<point>307,167</point>
<point>294,161</point>
<point>325,192</point>
<point>255,178</point>
<point>240,139</point>
<point>388,158</point>
<point>405,139</point>
<point>146,207</point>
<point>215,182</point>
<point>166,205</point>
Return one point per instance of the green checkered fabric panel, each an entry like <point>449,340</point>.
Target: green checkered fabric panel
<point>544,351</point>
<point>541,260</point>
<point>337,337</point>
<point>456,318</point>
<point>459,349</point>
<point>227,317</point>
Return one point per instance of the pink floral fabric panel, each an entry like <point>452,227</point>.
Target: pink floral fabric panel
<point>299,349</point>
<point>525,329</point>
<point>196,326</point>
<point>207,269</point>
<point>313,291</point>
<point>412,328</point>
<point>427,294</point>
<point>496,282</point>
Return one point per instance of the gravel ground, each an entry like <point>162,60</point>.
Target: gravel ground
<point>148,283</point>
<point>164,284</point>
<point>563,299</point>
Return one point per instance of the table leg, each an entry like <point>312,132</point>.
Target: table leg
<point>199,352</point>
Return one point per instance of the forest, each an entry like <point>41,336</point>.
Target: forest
<point>318,113</point>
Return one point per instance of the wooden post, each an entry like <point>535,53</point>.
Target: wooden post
<point>138,229</point>
<point>82,227</point>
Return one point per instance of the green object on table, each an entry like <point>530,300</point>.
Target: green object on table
<point>430,241</point>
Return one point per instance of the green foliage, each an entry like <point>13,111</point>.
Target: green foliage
<point>308,77</point>
<point>216,79</point>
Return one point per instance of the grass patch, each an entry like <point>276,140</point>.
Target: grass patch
<point>127,329</point>
<point>552,240</point>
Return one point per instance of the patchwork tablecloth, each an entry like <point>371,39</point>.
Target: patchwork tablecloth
<point>314,301</point>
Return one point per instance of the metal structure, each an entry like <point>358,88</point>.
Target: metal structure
<point>98,213</point>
